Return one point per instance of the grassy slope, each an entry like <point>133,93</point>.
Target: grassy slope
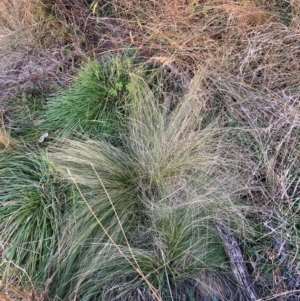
<point>209,136</point>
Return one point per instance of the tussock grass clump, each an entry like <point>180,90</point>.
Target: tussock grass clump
<point>95,103</point>
<point>158,199</point>
<point>32,203</point>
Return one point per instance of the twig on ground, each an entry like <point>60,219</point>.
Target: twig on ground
<point>237,263</point>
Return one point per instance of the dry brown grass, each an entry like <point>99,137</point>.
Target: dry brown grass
<point>5,140</point>
<point>34,48</point>
<point>233,35</point>
<point>15,293</point>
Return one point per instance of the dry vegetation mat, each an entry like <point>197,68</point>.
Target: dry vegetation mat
<point>150,150</point>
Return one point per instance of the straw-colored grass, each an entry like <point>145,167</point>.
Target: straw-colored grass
<point>5,140</point>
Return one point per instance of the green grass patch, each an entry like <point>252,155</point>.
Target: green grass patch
<point>95,103</point>
<point>33,200</point>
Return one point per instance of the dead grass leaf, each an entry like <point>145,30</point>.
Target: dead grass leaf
<point>15,293</point>
<point>5,140</point>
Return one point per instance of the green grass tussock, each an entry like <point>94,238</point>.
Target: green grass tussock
<point>158,198</point>
<point>95,103</point>
<point>33,201</point>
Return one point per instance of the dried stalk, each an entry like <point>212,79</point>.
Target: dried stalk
<point>237,263</point>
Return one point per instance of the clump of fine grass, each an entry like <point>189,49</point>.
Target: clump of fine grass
<point>32,203</point>
<point>158,199</point>
<point>95,103</point>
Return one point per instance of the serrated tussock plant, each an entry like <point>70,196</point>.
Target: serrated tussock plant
<point>33,200</point>
<point>158,198</point>
<point>95,102</point>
